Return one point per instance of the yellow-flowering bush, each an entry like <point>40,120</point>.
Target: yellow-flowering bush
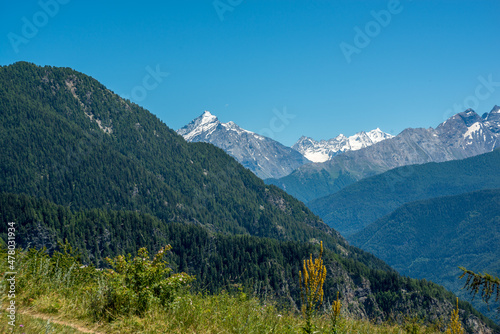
<point>335,313</point>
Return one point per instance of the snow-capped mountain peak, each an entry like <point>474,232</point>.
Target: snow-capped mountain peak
<point>494,114</point>
<point>200,126</point>
<point>339,137</point>
<point>207,117</point>
<point>265,157</point>
<point>378,135</point>
<point>326,149</point>
<point>493,120</point>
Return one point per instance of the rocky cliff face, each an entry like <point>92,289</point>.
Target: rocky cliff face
<point>264,156</point>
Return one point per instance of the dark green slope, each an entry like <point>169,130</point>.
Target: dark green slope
<point>266,267</point>
<point>362,203</point>
<point>430,239</point>
<point>66,138</point>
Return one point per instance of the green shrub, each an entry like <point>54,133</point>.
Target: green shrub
<point>135,284</point>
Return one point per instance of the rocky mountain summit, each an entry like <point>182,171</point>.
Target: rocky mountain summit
<point>264,156</point>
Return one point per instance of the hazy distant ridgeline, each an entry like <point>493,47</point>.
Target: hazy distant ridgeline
<point>360,204</point>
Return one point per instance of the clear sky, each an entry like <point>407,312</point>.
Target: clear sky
<point>283,68</point>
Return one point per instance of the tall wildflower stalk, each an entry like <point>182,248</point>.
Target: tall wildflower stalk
<point>455,326</point>
<point>312,278</point>
<point>335,314</point>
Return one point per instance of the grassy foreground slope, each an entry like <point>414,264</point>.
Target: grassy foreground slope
<point>260,266</point>
<point>57,294</point>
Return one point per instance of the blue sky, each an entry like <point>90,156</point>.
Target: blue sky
<point>283,68</point>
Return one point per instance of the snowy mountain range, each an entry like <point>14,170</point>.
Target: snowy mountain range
<point>467,134</point>
<point>264,156</point>
<point>324,150</point>
<point>463,135</point>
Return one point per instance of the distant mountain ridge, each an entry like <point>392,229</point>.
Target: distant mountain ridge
<point>464,135</point>
<point>264,156</point>
<point>324,150</point>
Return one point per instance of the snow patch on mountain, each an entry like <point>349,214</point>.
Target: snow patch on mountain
<point>474,130</point>
<point>231,126</point>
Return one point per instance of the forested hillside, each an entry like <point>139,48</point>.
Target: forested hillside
<point>68,139</point>
<point>261,266</point>
<point>362,203</point>
<point>430,239</point>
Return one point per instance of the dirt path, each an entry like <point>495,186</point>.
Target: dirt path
<point>60,322</point>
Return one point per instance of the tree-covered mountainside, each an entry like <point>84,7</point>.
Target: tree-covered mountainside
<point>430,239</point>
<point>266,267</point>
<point>362,203</point>
<point>67,138</point>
